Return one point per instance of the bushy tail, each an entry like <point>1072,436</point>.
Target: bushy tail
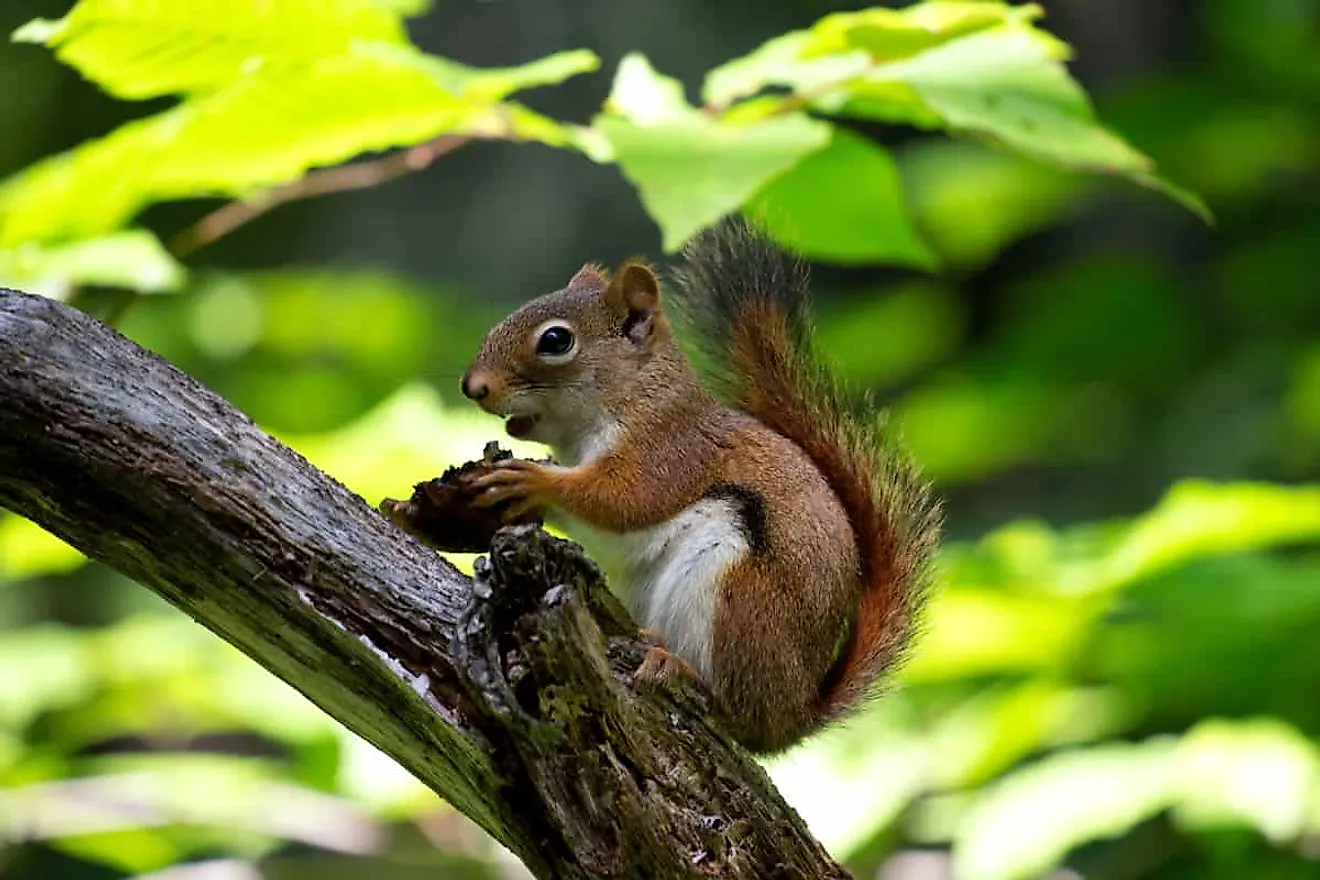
<point>748,302</point>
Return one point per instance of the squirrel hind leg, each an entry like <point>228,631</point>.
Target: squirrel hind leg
<point>766,686</point>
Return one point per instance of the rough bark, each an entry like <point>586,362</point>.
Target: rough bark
<point>509,694</point>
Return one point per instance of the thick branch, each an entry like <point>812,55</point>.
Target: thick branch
<point>509,696</point>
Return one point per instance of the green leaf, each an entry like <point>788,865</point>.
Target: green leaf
<point>691,174</point>
<point>132,259</point>
<point>27,550</point>
<point>890,34</point>
<point>845,45</point>
<point>645,96</point>
<point>1008,86</point>
<point>972,201</point>
<point>406,8</point>
<point>144,48</point>
<point>1199,519</point>
<point>1004,84</point>
<point>497,83</point>
<point>270,128</point>
<point>843,204</point>
<point>689,168</point>
<point>45,670</point>
<point>972,631</point>
<point>1025,824</point>
<point>1263,774</point>
<point>978,69</point>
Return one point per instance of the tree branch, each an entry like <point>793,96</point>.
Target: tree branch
<point>509,695</point>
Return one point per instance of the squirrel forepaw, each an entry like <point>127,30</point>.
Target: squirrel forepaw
<point>528,485</point>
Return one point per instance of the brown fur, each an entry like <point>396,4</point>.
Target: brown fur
<point>830,569</point>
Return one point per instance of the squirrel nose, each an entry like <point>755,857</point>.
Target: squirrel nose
<point>475,386</point>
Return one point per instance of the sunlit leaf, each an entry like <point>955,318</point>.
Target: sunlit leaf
<point>44,669</point>
<point>496,83</point>
<point>842,204</point>
<point>132,259</point>
<point>144,48</point>
<point>998,726</point>
<point>1261,774</point>
<point>407,8</point>
<point>269,129</point>
<point>844,45</point>
<point>688,175</point>
<point>643,95</point>
<point>135,850</point>
<point>1002,83</point>
<point>1029,820</point>
<point>1264,774</point>
<point>980,69</point>
<point>1199,519</point>
<point>970,632</point>
<point>27,550</point>
<point>691,169</point>
<point>246,810</point>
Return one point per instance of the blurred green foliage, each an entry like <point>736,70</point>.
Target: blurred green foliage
<point>1123,409</point>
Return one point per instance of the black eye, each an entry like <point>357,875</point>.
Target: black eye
<point>555,341</point>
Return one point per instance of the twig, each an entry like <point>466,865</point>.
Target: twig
<point>344,178</point>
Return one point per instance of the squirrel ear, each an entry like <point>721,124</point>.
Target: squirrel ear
<point>590,275</point>
<point>635,291</point>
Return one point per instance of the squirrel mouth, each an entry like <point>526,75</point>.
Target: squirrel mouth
<point>519,427</point>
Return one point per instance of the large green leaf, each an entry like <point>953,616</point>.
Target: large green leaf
<point>845,45</point>
<point>269,128</point>
<point>979,69</point>
<point>144,48</point>
<point>132,259</point>
<point>690,168</point>
<point>843,204</point>
<point>1006,84</point>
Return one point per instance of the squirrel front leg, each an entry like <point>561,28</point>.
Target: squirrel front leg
<point>592,493</point>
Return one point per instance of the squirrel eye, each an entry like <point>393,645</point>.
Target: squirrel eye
<point>555,341</point>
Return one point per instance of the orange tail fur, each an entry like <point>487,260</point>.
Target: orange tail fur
<point>750,302</point>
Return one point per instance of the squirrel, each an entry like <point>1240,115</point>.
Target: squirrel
<point>772,542</point>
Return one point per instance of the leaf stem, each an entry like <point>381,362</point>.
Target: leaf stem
<point>344,178</point>
<point>323,181</point>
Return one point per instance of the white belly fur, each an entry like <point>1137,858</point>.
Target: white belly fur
<point>669,573</point>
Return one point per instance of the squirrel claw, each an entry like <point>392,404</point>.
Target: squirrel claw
<point>660,666</point>
<point>652,636</point>
<point>523,482</point>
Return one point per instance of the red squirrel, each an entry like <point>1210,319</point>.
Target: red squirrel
<point>769,539</point>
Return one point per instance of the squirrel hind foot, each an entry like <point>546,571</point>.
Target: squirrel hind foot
<point>660,666</point>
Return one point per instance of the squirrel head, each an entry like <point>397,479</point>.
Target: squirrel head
<point>568,363</point>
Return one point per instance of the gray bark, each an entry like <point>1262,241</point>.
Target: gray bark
<point>509,695</point>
